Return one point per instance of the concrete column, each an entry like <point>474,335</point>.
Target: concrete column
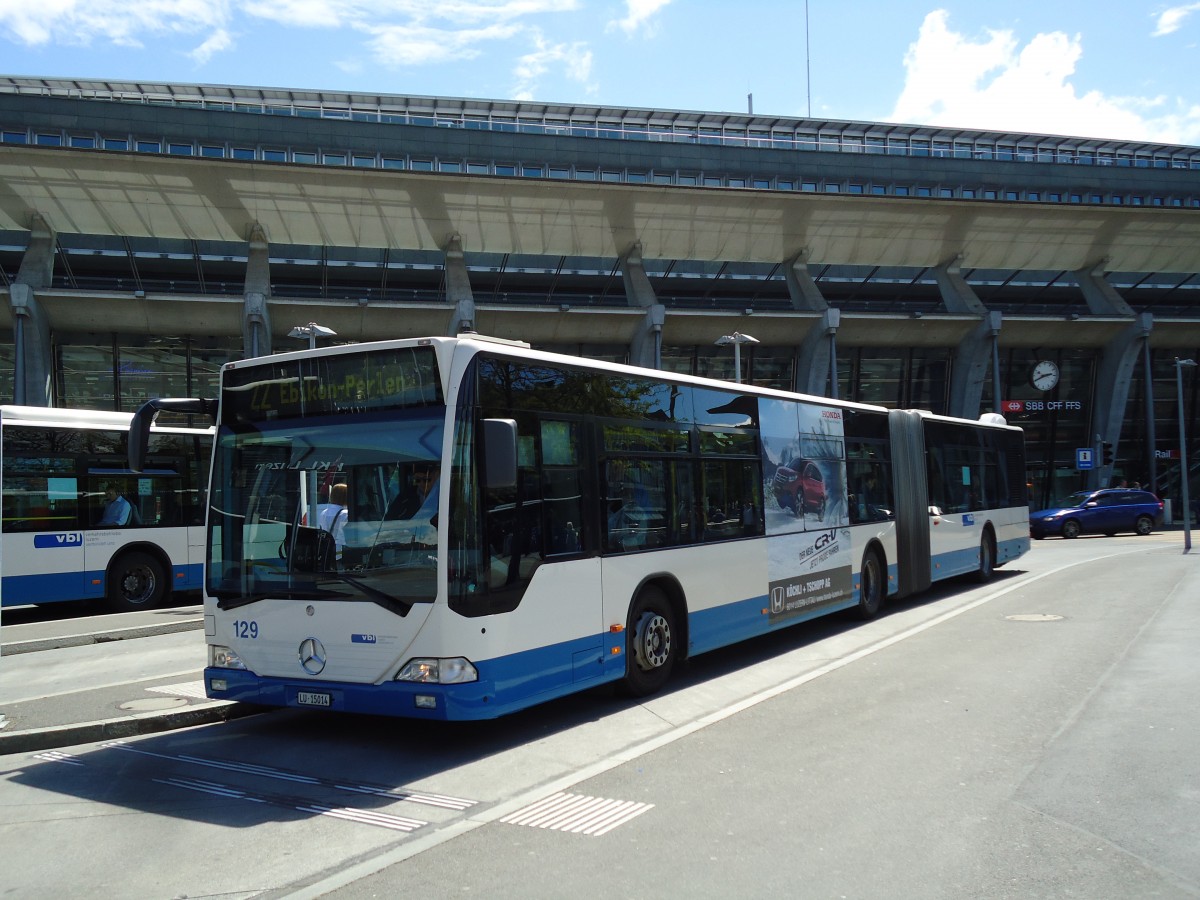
<point>646,347</point>
<point>801,287</point>
<point>458,287</point>
<point>256,317</point>
<point>1112,388</point>
<point>1102,298</point>
<point>973,359</point>
<point>33,367</point>
<point>957,296</point>
<point>816,361</point>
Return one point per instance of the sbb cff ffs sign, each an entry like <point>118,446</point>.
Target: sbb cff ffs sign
<point>1036,406</point>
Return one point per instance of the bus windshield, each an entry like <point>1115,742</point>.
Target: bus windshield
<point>314,509</point>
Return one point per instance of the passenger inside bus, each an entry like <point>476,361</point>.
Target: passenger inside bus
<point>331,517</point>
<point>117,511</point>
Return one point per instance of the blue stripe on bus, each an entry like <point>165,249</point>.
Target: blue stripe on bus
<point>189,577</point>
<point>965,561</point>
<point>510,683</point>
<point>506,684</point>
<point>22,589</point>
<point>57,587</point>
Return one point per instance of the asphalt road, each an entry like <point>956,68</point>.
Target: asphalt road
<point>1034,737</point>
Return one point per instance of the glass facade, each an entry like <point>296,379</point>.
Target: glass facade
<point>895,377</point>
<point>121,371</point>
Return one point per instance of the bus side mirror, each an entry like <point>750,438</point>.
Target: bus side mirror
<point>139,427</point>
<point>500,448</point>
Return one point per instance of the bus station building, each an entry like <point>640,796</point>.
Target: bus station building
<point>150,233</point>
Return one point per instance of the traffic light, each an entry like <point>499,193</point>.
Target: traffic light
<point>1106,453</point>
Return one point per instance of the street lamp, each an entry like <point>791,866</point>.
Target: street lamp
<point>1183,457</point>
<point>311,331</point>
<point>737,339</point>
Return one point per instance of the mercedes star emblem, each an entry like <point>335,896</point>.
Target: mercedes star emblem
<point>312,656</point>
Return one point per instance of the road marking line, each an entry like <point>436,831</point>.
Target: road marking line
<point>577,814</point>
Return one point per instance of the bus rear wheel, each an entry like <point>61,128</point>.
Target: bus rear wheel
<point>870,586</point>
<point>136,580</point>
<point>652,645</point>
<point>987,558</point>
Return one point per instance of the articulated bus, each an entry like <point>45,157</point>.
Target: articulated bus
<point>521,525</point>
<point>78,524</point>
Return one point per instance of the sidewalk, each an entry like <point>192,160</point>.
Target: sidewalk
<point>61,681</point>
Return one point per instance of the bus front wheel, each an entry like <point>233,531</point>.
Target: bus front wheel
<point>652,645</point>
<point>136,580</point>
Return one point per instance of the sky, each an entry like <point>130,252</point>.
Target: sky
<point>1089,69</point>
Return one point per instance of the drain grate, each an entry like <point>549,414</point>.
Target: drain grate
<point>577,814</point>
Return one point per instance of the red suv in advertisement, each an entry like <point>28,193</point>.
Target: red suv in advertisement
<point>800,488</point>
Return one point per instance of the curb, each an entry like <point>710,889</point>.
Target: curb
<point>124,726</point>
<point>102,637</point>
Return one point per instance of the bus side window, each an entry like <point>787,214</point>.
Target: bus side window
<point>35,502</point>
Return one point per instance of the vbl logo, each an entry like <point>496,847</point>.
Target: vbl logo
<point>63,539</point>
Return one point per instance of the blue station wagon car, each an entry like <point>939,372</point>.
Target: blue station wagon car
<point>1099,512</point>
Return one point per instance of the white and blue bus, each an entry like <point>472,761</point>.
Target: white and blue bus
<point>60,469</point>
<point>521,525</point>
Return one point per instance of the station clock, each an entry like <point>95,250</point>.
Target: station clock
<point>1044,375</point>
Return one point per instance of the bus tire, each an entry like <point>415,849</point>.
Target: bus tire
<point>871,585</point>
<point>652,645</point>
<point>136,580</point>
<point>987,557</point>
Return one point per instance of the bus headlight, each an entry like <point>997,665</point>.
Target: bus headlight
<point>438,671</point>
<point>223,658</point>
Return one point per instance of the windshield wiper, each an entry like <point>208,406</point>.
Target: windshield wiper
<point>387,601</point>
<point>235,599</point>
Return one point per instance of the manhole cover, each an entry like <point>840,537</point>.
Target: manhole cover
<point>152,704</point>
<point>1034,617</point>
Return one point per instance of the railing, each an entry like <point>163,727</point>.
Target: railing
<point>918,143</point>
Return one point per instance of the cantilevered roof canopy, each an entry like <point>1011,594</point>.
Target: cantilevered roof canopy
<point>139,195</point>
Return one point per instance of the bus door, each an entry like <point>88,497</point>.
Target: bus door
<point>539,563</point>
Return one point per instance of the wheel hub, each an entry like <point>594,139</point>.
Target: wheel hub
<point>137,585</point>
<point>653,641</point>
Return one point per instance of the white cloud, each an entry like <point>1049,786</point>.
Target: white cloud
<point>994,83</point>
<point>575,60</point>
<point>80,22</point>
<point>216,42</point>
<point>412,45</point>
<point>637,16</point>
<point>305,13</point>
<point>1170,20</point>
<point>394,32</point>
